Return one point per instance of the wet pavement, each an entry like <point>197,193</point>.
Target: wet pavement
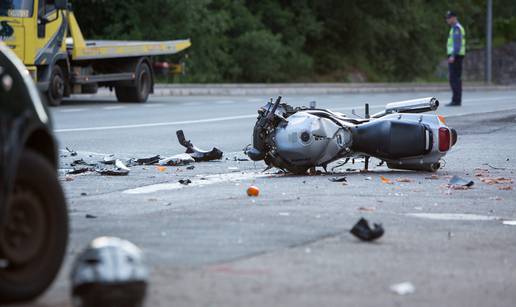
<point>209,244</point>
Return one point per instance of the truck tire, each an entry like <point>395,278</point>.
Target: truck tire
<point>142,88</point>
<point>33,241</point>
<point>56,88</point>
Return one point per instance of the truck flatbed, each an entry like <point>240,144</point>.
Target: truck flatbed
<point>104,49</point>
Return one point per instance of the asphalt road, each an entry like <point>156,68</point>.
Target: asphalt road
<point>209,244</point>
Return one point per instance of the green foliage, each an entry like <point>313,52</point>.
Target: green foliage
<point>297,40</point>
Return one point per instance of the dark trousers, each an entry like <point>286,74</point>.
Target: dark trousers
<point>455,70</point>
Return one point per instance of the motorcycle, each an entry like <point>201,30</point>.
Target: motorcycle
<point>297,139</point>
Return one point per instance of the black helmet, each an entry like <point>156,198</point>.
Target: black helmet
<point>110,272</point>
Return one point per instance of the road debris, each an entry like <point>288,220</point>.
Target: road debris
<point>191,167</point>
<point>509,223</point>
<point>73,153</point>
<point>364,232</point>
<point>404,180</point>
<point>161,168</point>
<point>177,160</point>
<point>458,183</point>
<point>185,181</point>
<point>403,288</point>
<point>385,180</point>
<point>367,209</point>
<point>497,180</point>
<point>112,172</point>
<point>80,170</point>
<point>432,177</point>
<point>147,161</point>
<point>90,216</point>
<point>338,179</point>
<point>109,160</point>
<point>81,162</point>
<point>196,153</point>
<point>120,165</point>
<point>253,191</point>
<point>505,188</point>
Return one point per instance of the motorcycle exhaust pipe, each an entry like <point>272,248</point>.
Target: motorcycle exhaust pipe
<point>410,106</point>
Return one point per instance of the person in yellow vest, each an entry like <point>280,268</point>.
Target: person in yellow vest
<point>456,50</point>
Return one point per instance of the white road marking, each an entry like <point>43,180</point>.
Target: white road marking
<point>230,118</point>
<point>186,122</point>
<point>453,216</point>
<point>114,108</point>
<point>199,181</point>
<point>71,110</point>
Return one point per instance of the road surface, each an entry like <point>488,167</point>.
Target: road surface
<point>209,244</point>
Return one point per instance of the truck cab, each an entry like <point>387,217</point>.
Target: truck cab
<point>46,36</point>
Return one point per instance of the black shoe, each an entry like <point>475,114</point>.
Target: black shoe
<point>453,104</point>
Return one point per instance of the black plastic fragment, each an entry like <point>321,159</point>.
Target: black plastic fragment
<point>90,216</point>
<point>185,181</point>
<point>80,170</point>
<point>338,179</point>
<point>73,153</point>
<point>190,167</point>
<point>113,172</point>
<point>456,180</point>
<point>147,161</point>
<point>364,232</point>
<point>199,155</point>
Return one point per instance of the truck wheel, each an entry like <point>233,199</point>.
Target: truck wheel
<point>142,88</point>
<point>56,88</point>
<point>33,239</point>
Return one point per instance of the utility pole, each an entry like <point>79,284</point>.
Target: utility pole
<point>489,42</point>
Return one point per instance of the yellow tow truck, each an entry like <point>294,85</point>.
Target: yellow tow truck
<point>46,36</point>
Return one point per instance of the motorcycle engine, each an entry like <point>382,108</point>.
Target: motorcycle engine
<point>309,140</point>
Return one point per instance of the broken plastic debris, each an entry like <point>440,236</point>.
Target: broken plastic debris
<point>505,188</point>
<point>177,160</point>
<point>120,165</point>
<point>112,172</point>
<point>338,179</point>
<point>196,153</point>
<point>161,168</point>
<point>73,153</point>
<point>456,181</point>
<point>191,167</point>
<point>385,180</point>
<point>80,170</point>
<point>147,161</point>
<point>433,177</point>
<point>185,181</point>
<point>367,209</point>
<point>253,191</point>
<point>109,159</point>
<point>90,216</point>
<point>364,232</point>
<point>403,288</point>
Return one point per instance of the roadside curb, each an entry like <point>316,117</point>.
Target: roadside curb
<point>308,89</point>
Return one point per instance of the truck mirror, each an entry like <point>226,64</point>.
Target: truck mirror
<point>61,4</point>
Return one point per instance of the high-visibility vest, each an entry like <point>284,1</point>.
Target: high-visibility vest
<point>451,41</point>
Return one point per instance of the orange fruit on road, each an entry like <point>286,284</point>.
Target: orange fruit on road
<point>253,191</point>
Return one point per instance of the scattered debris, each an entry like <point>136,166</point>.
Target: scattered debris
<point>364,232</point>
<point>90,216</point>
<point>505,188</point>
<point>458,183</point>
<point>494,167</point>
<point>498,180</point>
<point>69,178</point>
<point>196,153</point>
<point>386,180</point>
<point>177,160</point>
<point>367,209</point>
<point>509,223</point>
<point>80,170</point>
<point>403,180</point>
<point>109,160</point>
<point>147,161</point>
<point>191,167</point>
<point>161,168</point>
<point>73,153</point>
<point>81,162</point>
<point>84,194</point>
<point>112,172</point>
<point>338,179</point>
<point>185,181</point>
<point>403,288</point>
<point>253,191</point>
<point>240,159</point>
<point>368,178</point>
<point>120,165</point>
<point>433,177</point>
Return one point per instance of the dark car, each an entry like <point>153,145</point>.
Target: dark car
<point>33,213</point>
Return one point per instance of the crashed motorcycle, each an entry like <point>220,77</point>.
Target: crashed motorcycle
<point>296,139</point>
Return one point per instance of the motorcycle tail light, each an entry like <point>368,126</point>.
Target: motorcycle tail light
<point>444,139</point>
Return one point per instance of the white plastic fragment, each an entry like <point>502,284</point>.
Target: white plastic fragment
<point>403,288</point>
